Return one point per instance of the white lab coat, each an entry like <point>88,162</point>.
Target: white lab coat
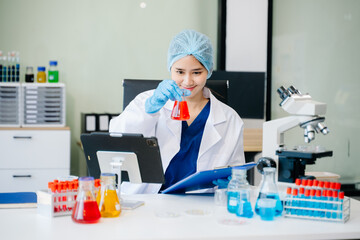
<point>221,144</point>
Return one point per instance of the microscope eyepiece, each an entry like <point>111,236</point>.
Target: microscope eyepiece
<point>283,93</point>
<point>323,128</point>
<point>293,90</point>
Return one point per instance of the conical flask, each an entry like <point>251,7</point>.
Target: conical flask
<point>108,201</point>
<point>268,189</point>
<point>180,110</point>
<point>86,209</point>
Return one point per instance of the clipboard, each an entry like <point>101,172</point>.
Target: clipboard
<point>204,179</point>
<point>144,150</point>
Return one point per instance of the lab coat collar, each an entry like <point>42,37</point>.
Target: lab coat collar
<point>210,136</point>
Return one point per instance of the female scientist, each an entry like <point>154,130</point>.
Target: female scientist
<point>212,137</point>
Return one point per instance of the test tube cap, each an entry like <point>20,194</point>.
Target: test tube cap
<point>295,192</point>
<point>304,182</point>
<point>341,195</point>
<point>335,194</point>
<point>315,183</point>
<point>329,193</point>
<point>310,182</point>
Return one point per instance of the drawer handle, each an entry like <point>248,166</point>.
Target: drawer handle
<point>22,137</point>
<point>22,176</point>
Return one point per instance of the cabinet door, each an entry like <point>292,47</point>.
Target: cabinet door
<point>34,149</point>
<point>28,180</point>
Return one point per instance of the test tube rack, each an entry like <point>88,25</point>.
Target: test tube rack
<point>55,204</point>
<point>322,210</point>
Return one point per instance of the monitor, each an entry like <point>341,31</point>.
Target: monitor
<point>139,156</point>
<point>246,93</point>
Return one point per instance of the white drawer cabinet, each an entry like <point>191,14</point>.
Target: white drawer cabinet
<point>30,157</point>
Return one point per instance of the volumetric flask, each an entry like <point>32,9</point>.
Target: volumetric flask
<point>86,209</point>
<point>109,204</point>
<point>180,110</point>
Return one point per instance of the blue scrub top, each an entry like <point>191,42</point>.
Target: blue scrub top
<point>183,163</point>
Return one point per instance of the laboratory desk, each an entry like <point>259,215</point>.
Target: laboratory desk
<point>173,217</point>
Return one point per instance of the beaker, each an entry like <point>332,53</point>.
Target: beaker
<point>108,201</point>
<point>86,209</point>
<point>238,194</point>
<point>180,110</point>
<point>268,189</point>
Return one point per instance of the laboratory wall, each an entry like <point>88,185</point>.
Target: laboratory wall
<point>97,45</point>
<point>316,48</point>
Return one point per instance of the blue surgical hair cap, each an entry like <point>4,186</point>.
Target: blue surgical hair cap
<point>191,42</point>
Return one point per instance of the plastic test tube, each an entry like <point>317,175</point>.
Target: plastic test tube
<point>307,204</point>
<point>323,204</point>
<point>309,183</point>
<point>335,204</point>
<point>295,203</point>
<point>288,201</point>
<point>341,199</point>
<point>329,206</point>
<point>315,184</point>
<point>317,204</point>
<point>312,212</point>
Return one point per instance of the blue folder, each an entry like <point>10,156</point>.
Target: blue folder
<point>203,179</point>
<point>18,199</point>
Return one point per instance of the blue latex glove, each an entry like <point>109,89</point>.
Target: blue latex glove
<point>222,182</point>
<point>167,89</point>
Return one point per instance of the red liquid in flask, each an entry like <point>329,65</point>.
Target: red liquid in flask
<point>86,212</point>
<point>180,111</point>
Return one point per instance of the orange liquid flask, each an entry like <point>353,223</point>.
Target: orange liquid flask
<point>180,110</point>
<point>107,198</point>
<point>86,209</point>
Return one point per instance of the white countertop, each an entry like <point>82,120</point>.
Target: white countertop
<point>146,222</point>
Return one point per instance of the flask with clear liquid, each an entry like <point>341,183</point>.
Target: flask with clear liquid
<point>107,199</point>
<point>268,189</point>
<point>239,194</point>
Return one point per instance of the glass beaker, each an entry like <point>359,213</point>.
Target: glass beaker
<point>86,209</point>
<point>108,201</point>
<point>268,189</point>
<point>238,193</point>
<point>180,110</point>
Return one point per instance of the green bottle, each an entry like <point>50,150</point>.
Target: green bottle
<point>53,76</point>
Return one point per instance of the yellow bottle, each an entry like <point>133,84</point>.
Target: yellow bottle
<point>108,200</point>
<point>41,75</point>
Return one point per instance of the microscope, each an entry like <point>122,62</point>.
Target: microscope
<point>305,113</point>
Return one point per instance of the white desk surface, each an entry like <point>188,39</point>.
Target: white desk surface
<point>143,223</point>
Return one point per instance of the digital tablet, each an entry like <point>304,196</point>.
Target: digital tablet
<point>141,160</point>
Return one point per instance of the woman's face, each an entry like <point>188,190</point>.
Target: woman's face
<point>189,73</point>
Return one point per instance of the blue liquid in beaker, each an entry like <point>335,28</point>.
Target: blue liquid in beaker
<point>278,206</point>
